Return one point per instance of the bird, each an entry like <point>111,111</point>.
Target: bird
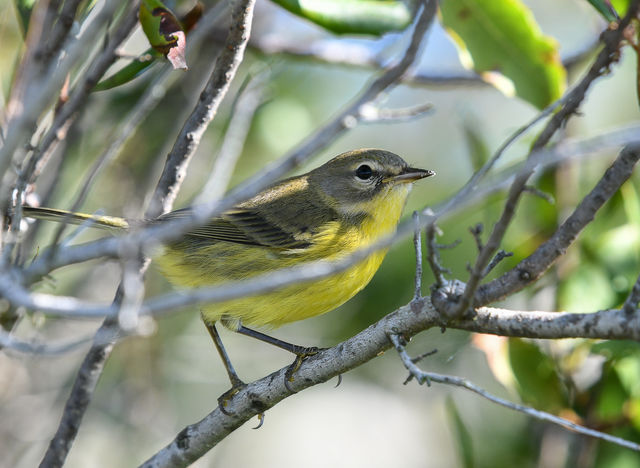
<point>342,206</point>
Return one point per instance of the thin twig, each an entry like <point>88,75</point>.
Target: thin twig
<point>409,363</point>
<point>259,396</point>
<point>532,267</point>
<point>214,91</point>
<point>571,102</point>
<point>417,245</point>
<point>539,193</point>
<point>129,294</point>
<point>9,342</point>
<point>428,377</point>
<point>375,114</point>
<point>501,255</point>
<point>307,272</point>
<point>242,113</point>
<point>631,302</point>
<point>476,232</point>
<point>433,255</point>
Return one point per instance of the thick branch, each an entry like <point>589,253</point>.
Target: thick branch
<point>257,397</point>
<point>605,324</point>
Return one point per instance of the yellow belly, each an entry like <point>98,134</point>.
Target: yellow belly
<point>223,261</point>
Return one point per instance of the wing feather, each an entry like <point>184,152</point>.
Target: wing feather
<point>242,226</point>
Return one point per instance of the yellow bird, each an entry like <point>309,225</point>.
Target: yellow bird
<point>344,205</point>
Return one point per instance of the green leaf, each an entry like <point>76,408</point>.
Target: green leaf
<point>611,398</point>
<point>628,370</point>
<point>614,350</point>
<point>462,434</point>
<point>130,71</point>
<point>535,372</point>
<point>500,39</point>
<point>587,288</point>
<point>374,17</point>
<point>24,8</point>
<point>149,57</point>
<point>612,10</point>
<point>634,413</point>
<point>164,31</point>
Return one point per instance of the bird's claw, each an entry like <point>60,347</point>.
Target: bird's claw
<point>223,400</point>
<point>260,421</point>
<point>293,368</point>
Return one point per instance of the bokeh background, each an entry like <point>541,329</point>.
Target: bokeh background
<point>156,384</point>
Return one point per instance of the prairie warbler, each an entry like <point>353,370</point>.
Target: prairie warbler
<point>344,205</point>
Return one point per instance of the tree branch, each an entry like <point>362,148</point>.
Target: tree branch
<point>201,214</point>
<point>107,335</point>
<point>259,396</point>
<point>20,126</point>
<point>532,267</point>
<point>111,247</point>
<point>422,376</point>
<point>216,88</point>
<point>609,54</point>
<point>79,399</point>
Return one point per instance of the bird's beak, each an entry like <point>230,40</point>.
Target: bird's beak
<point>408,175</point>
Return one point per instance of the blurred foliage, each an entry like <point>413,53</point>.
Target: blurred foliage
<point>499,39</point>
<point>24,9</point>
<point>130,71</point>
<point>612,10</point>
<point>462,434</point>
<point>155,385</point>
<point>502,36</point>
<point>536,377</point>
<point>374,17</point>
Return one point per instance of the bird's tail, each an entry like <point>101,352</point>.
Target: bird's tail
<point>110,223</point>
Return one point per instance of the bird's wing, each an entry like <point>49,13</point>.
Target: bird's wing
<point>242,226</point>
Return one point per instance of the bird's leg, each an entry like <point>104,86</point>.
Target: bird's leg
<point>236,382</point>
<point>292,348</point>
<point>301,352</point>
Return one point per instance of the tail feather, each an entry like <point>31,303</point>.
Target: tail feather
<point>110,223</point>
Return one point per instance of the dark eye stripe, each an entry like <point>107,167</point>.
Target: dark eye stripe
<point>364,172</point>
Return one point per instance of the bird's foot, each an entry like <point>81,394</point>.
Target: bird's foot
<point>301,355</point>
<point>223,400</point>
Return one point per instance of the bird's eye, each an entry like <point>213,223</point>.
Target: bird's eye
<point>364,172</point>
